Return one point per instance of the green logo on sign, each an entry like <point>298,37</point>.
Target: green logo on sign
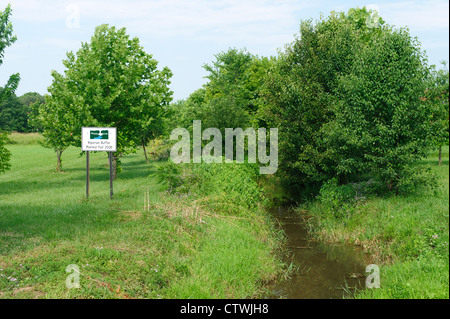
<point>99,135</point>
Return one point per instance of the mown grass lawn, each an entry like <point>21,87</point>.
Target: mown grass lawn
<point>406,235</point>
<point>124,248</point>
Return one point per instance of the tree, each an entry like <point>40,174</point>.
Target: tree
<point>111,82</point>
<point>345,96</point>
<point>57,126</point>
<point>5,155</point>
<point>232,94</point>
<point>437,95</point>
<point>182,112</point>
<point>27,100</point>
<point>381,126</point>
<point>15,112</point>
<point>6,39</point>
<point>13,116</point>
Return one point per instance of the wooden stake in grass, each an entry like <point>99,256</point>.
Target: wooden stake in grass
<point>146,200</point>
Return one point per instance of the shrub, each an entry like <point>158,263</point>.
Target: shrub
<point>340,200</point>
<point>158,149</point>
<point>5,155</point>
<point>344,106</point>
<point>229,187</point>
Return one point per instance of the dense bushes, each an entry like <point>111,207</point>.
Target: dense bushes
<point>5,155</point>
<point>346,97</point>
<point>229,188</point>
<point>16,112</point>
<point>341,200</point>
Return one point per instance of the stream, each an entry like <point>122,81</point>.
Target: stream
<point>325,271</point>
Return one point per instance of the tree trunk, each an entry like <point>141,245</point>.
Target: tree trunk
<point>58,161</point>
<point>440,155</point>
<point>145,152</point>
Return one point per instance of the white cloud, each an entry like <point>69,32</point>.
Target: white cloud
<point>420,15</point>
<point>218,21</point>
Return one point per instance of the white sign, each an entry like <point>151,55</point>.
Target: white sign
<point>99,139</point>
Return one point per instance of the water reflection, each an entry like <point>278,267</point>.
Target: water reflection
<point>325,271</point>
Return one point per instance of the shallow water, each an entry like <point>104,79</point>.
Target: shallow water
<point>324,269</point>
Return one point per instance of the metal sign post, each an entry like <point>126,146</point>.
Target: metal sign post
<point>99,139</point>
<point>87,174</point>
<point>111,175</point>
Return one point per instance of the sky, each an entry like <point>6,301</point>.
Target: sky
<point>184,35</point>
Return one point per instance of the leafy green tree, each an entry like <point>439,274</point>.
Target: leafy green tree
<point>437,95</point>
<point>13,116</point>
<point>6,39</point>
<point>380,126</point>
<point>27,100</point>
<point>345,96</point>
<point>15,112</point>
<point>5,155</point>
<point>57,125</point>
<point>232,94</point>
<point>230,99</point>
<point>111,82</point>
<point>182,112</point>
<point>152,128</point>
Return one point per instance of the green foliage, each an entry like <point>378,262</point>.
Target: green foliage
<point>168,249</point>
<point>57,125</point>
<point>230,98</point>
<point>346,98</point>
<point>15,112</point>
<point>183,112</point>
<point>341,200</point>
<point>5,155</point>
<point>110,82</point>
<point>13,116</point>
<point>406,235</point>
<point>6,39</point>
<point>158,149</point>
<point>232,94</point>
<point>414,279</point>
<point>27,101</point>
<point>437,96</point>
<point>231,188</point>
<point>25,138</point>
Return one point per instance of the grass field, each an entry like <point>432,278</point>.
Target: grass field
<point>163,246</point>
<point>406,235</point>
<point>146,243</point>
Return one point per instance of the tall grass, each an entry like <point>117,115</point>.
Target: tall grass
<point>145,243</point>
<point>25,139</point>
<point>407,235</point>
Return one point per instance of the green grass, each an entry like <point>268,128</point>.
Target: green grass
<point>25,139</point>
<point>407,236</point>
<point>165,247</point>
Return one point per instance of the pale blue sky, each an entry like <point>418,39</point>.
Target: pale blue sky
<point>184,35</point>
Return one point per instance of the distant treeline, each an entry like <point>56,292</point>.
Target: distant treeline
<point>15,112</point>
